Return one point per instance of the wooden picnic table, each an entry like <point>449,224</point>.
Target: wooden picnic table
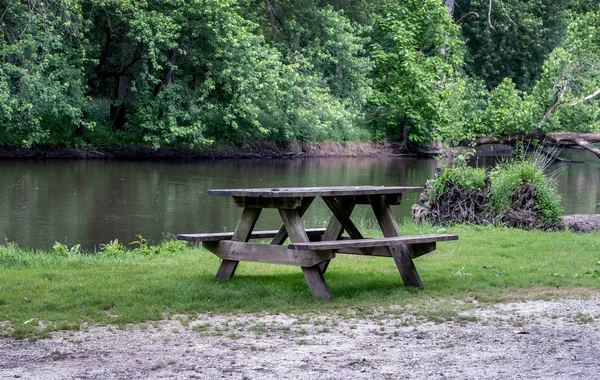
<point>312,249</point>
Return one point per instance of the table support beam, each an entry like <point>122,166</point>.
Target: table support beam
<point>243,230</point>
<point>402,254</point>
<point>313,275</point>
<point>283,234</point>
<point>335,228</point>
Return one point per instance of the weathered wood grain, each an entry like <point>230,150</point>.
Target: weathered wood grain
<point>311,232</point>
<point>242,233</point>
<point>402,254</point>
<point>312,274</point>
<point>377,242</point>
<point>282,234</point>
<point>332,191</point>
<point>341,208</point>
<point>418,249</point>
<point>316,282</point>
<point>334,232</point>
<point>264,202</point>
<point>266,253</point>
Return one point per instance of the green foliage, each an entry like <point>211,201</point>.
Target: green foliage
<point>41,82</point>
<point>522,35</point>
<point>462,112</point>
<point>190,73</point>
<point>63,250</point>
<point>507,112</point>
<point>461,175</point>
<point>508,177</point>
<point>418,52</point>
<point>112,248</point>
<point>502,184</point>
<point>570,75</point>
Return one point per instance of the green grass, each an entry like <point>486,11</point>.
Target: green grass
<point>45,291</point>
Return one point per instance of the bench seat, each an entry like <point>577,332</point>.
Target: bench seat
<point>217,236</point>
<point>371,243</point>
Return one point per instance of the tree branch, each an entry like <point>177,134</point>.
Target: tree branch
<point>584,140</point>
<point>465,15</point>
<point>589,97</point>
<point>490,16</point>
<point>553,106</point>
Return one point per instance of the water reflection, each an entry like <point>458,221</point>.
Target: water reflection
<point>92,202</point>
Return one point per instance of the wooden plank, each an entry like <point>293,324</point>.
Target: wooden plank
<point>341,209</point>
<point>374,251</point>
<point>332,191</point>
<point>311,232</point>
<point>391,199</point>
<point>312,274</point>
<point>334,232</point>
<point>316,282</point>
<point>294,226</point>
<point>384,216</point>
<point>282,234</point>
<point>266,253</point>
<point>243,230</point>
<point>264,202</point>
<point>419,249</point>
<point>377,242</point>
<point>402,254</point>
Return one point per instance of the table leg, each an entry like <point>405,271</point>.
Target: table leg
<point>402,253</point>
<point>341,209</point>
<point>313,275</point>
<point>242,232</point>
<point>335,228</point>
<point>282,234</point>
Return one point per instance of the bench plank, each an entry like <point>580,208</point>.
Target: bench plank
<point>254,235</point>
<point>379,242</point>
<point>417,250</point>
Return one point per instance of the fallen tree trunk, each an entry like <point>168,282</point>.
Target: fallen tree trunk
<point>584,140</point>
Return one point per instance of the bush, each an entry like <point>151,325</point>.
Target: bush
<point>508,178</point>
<point>516,192</point>
<point>464,177</point>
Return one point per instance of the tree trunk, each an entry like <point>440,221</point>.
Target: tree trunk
<point>583,140</point>
<point>449,4</point>
<point>168,76</point>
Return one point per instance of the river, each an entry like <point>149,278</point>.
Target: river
<point>91,202</point>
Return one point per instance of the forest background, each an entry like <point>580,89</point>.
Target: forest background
<point>204,73</point>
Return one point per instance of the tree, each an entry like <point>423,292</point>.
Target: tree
<point>41,78</point>
<point>563,106</point>
<point>418,53</point>
<point>513,38</point>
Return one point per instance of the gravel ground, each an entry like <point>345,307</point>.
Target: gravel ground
<point>525,340</point>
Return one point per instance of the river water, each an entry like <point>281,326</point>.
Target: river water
<point>90,202</point>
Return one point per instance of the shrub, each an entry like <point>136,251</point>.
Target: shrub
<point>508,177</point>
<point>517,193</point>
<point>461,175</point>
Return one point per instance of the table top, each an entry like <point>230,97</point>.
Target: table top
<point>332,191</point>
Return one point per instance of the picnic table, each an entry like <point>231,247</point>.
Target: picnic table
<point>312,249</point>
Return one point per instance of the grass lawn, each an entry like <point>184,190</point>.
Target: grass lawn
<point>45,291</point>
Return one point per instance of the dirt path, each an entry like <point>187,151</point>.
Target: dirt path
<point>532,340</point>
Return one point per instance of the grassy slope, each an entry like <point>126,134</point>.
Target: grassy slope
<point>41,292</point>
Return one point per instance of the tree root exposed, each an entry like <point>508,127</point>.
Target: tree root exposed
<point>473,207</point>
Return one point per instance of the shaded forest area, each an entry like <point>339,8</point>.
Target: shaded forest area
<point>189,74</point>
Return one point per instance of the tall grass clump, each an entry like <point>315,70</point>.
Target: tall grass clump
<point>507,180</point>
<point>461,175</point>
<point>516,193</point>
